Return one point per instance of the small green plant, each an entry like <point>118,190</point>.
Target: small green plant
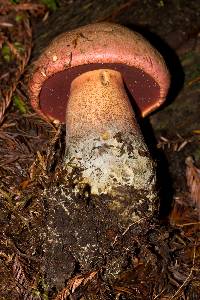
<point>14,1</point>
<point>6,53</point>
<point>20,104</point>
<point>161,3</point>
<point>19,18</point>
<point>19,47</point>
<point>51,4</point>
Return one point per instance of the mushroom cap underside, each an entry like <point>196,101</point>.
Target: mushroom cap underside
<point>98,46</point>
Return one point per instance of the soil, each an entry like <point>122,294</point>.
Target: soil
<point>159,261</point>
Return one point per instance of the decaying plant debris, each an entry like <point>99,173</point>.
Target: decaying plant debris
<point>164,263</point>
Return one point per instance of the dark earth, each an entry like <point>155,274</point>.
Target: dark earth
<point>158,259</point>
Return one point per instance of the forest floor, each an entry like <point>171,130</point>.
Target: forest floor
<point>29,147</point>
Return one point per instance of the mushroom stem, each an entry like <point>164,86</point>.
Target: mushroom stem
<point>98,106</point>
<point>103,138</point>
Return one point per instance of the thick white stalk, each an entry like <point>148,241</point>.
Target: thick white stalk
<point>106,144</point>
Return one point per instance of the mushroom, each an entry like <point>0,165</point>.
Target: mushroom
<point>82,79</point>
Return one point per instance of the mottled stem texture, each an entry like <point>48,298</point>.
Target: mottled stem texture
<point>106,144</point>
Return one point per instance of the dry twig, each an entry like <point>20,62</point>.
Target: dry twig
<point>175,145</point>
<point>193,181</point>
<point>177,293</point>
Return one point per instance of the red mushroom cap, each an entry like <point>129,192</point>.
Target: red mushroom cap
<point>98,46</point>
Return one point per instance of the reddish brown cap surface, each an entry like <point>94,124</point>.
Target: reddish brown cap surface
<point>98,46</point>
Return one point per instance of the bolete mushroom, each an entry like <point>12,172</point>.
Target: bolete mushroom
<point>82,79</point>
